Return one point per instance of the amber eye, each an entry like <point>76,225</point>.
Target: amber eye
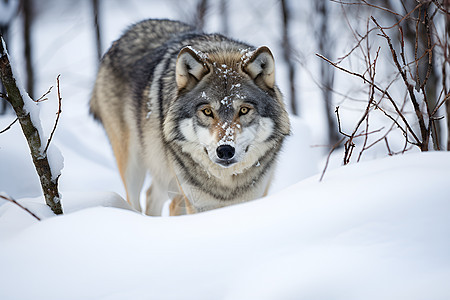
<point>207,112</point>
<point>243,111</point>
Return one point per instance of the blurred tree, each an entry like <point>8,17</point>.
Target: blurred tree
<point>415,37</point>
<point>325,47</point>
<point>200,14</point>
<point>8,10</point>
<point>27,7</point>
<point>287,54</point>
<point>98,40</point>
<point>224,16</point>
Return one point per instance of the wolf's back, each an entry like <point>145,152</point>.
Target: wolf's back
<point>141,39</point>
<point>118,68</point>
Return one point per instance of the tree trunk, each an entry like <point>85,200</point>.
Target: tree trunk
<point>95,10</point>
<point>425,64</point>
<point>325,46</point>
<point>49,185</point>
<point>4,104</point>
<point>224,16</point>
<point>28,15</point>
<point>287,54</point>
<point>11,11</point>
<point>202,8</point>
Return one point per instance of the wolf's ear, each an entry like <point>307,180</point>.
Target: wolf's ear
<point>261,67</point>
<point>190,68</point>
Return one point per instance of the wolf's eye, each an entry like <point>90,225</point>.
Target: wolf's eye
<point>243,111</point>
<point>207,112</point>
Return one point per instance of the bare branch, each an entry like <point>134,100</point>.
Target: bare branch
<point>48,183</point>
<point>9,126</point>
<point>423,129</point>
<point>58,113</point>
<point>328,157</point>
<point>387,145</point>
<point>20,205</point>
<point>441,8</point>
<point>391,100</point>
<point>42,98</point>
<point>339,123</point>
<point>365,3</point>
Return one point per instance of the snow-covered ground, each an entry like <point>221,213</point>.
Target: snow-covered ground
<point>378,229</point>
<point>375,230</point>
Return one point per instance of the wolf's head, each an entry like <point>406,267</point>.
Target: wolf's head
<point>228,113</point>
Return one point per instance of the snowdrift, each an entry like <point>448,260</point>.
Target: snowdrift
<point>373,230</point>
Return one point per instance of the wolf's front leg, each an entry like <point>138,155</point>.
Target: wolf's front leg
<point>156,197</point>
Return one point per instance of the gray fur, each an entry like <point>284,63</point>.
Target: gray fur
<point>145,113</point>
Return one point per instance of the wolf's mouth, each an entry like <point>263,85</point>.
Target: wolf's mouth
<point>226,162</point>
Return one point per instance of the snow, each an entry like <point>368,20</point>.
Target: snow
<point>362,233</point>
<point>377,229</point>
<point>246,55</point>
<point>203,56</point>
<point>55,161</point>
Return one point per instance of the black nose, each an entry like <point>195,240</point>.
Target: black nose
<point>225,152</point>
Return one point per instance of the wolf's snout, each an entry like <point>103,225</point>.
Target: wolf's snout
<point>225,152</point>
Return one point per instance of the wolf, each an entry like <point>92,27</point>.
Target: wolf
<point>197,111</point>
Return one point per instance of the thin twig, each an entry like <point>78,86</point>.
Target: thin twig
<point>339,122</point>
<point>9,126</point>
<point>391,100</point>
<point>416,48</point>
<point>328,157</point>
<point>19,205</point>
<point>364,2</point>
<point>440,7</point>
<point>429,49</point>
<point>402,43</point>
<point>387,146</point>
<point>42,98</point>
<point>58,113</point>
<point>366,137</point>
<point>406,145</point>
<point>423,129</point>
<point>446,98</point>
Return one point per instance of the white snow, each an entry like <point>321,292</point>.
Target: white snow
<point>246,55</point>
<point>378,229</point>
<point>55,161</point>
<point>228,137</point>
<point>362,233</point>
<point>203,56</point>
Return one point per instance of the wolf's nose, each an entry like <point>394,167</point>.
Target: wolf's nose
<point>225,152</point>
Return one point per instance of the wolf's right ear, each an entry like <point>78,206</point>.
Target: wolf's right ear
<point>190,68</point>
<point>260,66</point>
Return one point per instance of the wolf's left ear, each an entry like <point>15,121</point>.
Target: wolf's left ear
<point>261,67</point>
<point>190,68</point>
